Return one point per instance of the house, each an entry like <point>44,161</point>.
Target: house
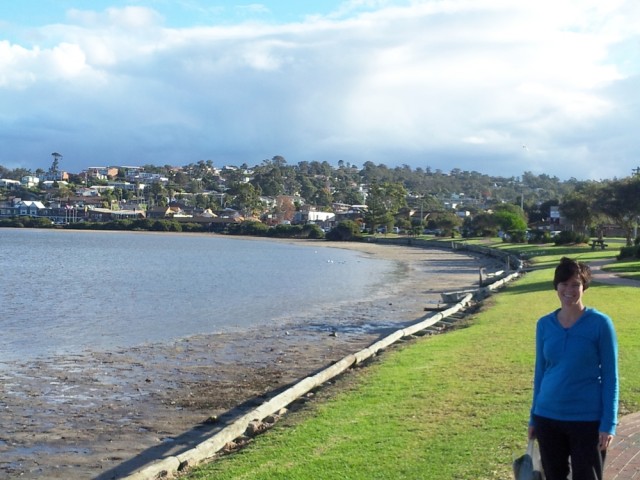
<point>160,212</point>
<point>30,181</point>
<point>8,183</point>
<point>57,176</point>
<point>106,214</point>
<point>29,208</point>
<point>310,215</point>
<point>207,217</point>
<point>49,184</point>
<point>127,186</point>
<point>101,173</point>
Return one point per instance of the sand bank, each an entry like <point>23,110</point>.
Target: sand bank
<point>103,415</point>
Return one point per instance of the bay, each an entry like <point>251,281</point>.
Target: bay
<point>66,292</point>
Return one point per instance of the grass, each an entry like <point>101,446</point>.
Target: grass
<point>625,268</point>
<point>451,406</point>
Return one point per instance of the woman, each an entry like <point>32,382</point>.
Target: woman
<point>575,388</point>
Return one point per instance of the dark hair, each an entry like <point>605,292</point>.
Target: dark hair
<point>568,268</point>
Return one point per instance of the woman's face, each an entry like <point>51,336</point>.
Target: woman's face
<point>570,292</point>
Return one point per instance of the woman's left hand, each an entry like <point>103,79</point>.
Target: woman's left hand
<point>605,440</point>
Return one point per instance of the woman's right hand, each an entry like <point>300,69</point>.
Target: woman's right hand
<point>532,432</point>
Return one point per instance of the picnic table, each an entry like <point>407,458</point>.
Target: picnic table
<point>598,242</point>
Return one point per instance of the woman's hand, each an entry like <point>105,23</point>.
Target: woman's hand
<point>604,441</point>
<point>532,432</point>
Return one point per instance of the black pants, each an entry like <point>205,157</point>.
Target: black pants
<point>563,442</point>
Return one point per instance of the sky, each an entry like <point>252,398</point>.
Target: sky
<point>499,87</point>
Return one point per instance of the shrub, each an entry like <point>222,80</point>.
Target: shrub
<point>312,230</point>
<point>159,226</point>
<point>249,227</point>
<point>539,236</point>
<point>11,222</point>
<point>517,236</point>
<point>566,237</point>
<point>142,224</point>
<point>26,222</point>
<point>629,252</point>
<point>345,231</point>
<point>193,227</point>
<point>285,231</point>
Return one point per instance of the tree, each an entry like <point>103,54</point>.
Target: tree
<point>541,212</point>
<point>620,201</point>
<point>158,192</point>
<point>322,197</point>
<point>345,231</point>
<point>383,203</point>
<point>284,209</point>
<point>56,161</point>
<point>578,208</point>
<point>511,220</point>
<point>446,222</point>
<point>424,205</point>
<point>245,198</point>
<point>483,225</point>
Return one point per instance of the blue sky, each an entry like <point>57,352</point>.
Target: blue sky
<point>495,86</point>
<point>177,13</point>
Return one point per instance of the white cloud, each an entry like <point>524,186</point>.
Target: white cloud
<point>130,17</point>
<point>448,81</point>
<point>253,9</point>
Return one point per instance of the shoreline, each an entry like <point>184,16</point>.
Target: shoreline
<point>104,414</point>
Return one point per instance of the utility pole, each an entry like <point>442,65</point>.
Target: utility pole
<point>636,171</point>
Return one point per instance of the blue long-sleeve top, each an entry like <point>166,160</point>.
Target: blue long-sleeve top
<point>576,370</point>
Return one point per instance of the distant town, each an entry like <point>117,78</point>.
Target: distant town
<point>372,199</point>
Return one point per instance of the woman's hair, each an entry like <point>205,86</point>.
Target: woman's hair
<point>568,268</point>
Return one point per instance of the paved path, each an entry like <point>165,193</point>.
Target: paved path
<point>603,276</point>
<point>623,457</point>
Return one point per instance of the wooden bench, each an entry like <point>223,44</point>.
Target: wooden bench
<point>598,243</point>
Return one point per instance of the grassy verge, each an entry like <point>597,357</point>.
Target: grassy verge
<point>452,406</point>
<point>625,268</point>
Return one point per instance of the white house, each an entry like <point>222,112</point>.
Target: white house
<point>30,181</point>
<point>29,208</point>
<point>8,183</point>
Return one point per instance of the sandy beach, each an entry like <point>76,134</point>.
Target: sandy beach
<point>103,415</point>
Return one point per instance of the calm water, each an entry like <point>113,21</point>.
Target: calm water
<point>67,292</point>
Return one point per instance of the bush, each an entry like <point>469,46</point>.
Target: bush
<point>26,222</point>
<point>629,252</point>
<point>345,231</point>
<point>285,231</point>
<point>312,230</point>
<point>516,236</point>
<point>166,226</point>
<point>193,227</point>
<point>540,236</point>
<point>142,224</point>
<point>249,227</point>
<point>566,238</point>
<point>11,222</point>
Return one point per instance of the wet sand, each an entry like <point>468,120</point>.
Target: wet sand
<point>104,414</point>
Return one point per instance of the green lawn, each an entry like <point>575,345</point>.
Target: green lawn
<point>625,268</point>
<point>452,406</point>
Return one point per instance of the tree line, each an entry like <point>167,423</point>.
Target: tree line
<point>403,197</point>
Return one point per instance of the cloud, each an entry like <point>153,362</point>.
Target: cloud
<point>449,84</point>
<point>252,9</point>
<point>130,18</point>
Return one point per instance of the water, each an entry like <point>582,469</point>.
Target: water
<point>66,292</point>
